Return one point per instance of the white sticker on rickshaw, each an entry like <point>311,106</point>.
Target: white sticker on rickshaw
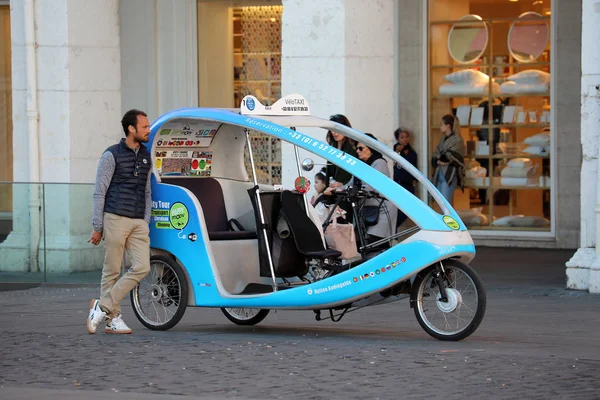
<point>329,288</point>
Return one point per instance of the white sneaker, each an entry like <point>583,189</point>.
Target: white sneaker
<point>96,315</point>
<point>117,326</point>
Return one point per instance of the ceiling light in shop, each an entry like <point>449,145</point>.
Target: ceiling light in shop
<point>513,1</point>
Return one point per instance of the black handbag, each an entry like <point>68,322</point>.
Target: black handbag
<point>370,215</point>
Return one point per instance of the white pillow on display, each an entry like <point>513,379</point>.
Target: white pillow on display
<point>536,150</point>
<point>504,221</point>
<point>519,162</point>
<point>530,76</point>
<point>541,139</point>
<point>529,222</point>
<point>467,76</point>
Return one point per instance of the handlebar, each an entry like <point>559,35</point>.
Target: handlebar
<point>353,193</point>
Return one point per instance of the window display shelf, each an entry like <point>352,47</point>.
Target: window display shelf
<point>508,126</point>
<point>506,228</point>
<point>499,187</point>
<point>486,20</point>
<point>486,96</point>
<point>539,183</point>
<point>488,65</point>
<point>503,156</point>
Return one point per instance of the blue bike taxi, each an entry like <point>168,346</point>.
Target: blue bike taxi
<point>221,239</point>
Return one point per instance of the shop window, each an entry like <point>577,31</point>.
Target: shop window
<point>489,65</point>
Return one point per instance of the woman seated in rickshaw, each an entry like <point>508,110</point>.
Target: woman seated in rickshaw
<point>377,214</point>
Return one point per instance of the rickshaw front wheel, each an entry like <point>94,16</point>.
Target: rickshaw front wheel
<point>458,315</point>
<point>245,316</point>
<point>160,299</point>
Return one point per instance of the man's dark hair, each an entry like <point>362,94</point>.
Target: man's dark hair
<point>130,118</point>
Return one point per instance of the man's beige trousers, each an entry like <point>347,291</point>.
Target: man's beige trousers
<point>122,234</point>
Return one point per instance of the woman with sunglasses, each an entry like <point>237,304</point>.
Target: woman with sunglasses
<point>385,224</point>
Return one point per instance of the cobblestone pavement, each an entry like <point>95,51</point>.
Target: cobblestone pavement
<point>530,345</point>
<point>537,340</point>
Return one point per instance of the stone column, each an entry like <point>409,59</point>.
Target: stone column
<point>79,107</point>
<point>340,56</point>
<point>159,55</point>
<point>583,270</point>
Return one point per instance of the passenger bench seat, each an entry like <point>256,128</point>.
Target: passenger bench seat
<point>209,193</point>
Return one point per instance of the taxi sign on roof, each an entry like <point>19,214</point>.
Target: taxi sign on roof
<point>293,104</point>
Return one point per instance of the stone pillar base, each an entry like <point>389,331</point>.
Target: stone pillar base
<point>14,253</point>
<point>594,278</point>
<point>67,254</point>
<point>63,254</point>
<point>578,268</point>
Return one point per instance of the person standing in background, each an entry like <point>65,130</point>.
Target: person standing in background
<point>448,158</point>
<point>401,176</point>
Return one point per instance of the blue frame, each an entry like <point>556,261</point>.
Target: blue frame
<point>384,270</point>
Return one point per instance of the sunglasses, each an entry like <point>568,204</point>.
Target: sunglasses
<point>136,171</point>
<point>360,148</point>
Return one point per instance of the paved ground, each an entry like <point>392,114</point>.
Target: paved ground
<point>537,340</point>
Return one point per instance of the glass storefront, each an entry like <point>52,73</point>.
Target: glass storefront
<point>489,66</point>
<point>239,54</point>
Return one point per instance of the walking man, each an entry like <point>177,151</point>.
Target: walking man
<point>121,217</point>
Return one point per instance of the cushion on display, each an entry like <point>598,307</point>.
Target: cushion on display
<point>504,221</point>
<point>541,139</point>
<point>519,162</point>
<point>510,87</point>
<point>529,222</point>
<point>519,172</point>
<point>530,76</point>
<point>536,150</point>
<point>476,220</point>
<point>476,172</point>
<point>469,213</point>
<point>467,76</point>
<point>467,89</point>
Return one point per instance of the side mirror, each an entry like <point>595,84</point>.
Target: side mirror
<point>308,164</point>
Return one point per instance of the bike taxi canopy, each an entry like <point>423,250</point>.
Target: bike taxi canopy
<point>210,142</point>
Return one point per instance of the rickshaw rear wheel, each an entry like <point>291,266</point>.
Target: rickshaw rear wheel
<point>460,315</point>
<point>160,299</point>
<point>245,316</point>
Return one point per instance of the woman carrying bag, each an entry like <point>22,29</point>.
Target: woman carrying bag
<point>448,159</point>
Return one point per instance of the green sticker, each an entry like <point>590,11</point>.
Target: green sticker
<point>163,225</point>
<point>179,216</point>
<point>451,222</point>
<point>165,131</point>
<point>202,164</point>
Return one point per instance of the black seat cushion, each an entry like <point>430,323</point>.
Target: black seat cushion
<point>209,193</point>
<point>305,232</point>
<point>329,253</point>
<point>232,235</point>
